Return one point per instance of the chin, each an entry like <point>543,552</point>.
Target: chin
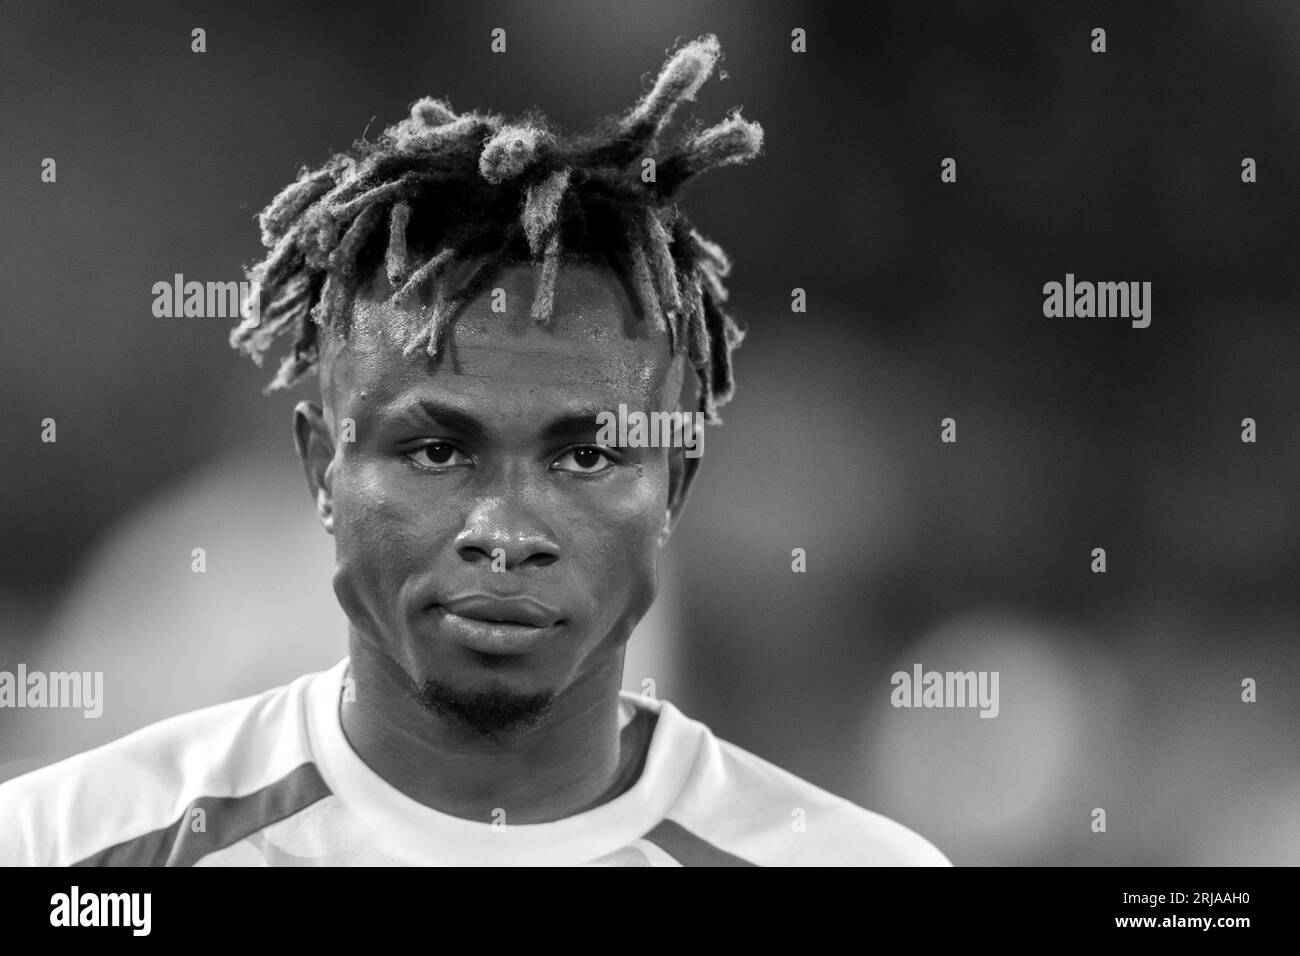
<point>488,705</point>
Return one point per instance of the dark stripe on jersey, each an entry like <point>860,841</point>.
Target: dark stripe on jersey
<point>227,820</point>
<point>688,849</point>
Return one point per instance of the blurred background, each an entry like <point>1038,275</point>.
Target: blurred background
<point>1119,690</point>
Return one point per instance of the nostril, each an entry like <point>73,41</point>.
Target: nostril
<point>498,558</point>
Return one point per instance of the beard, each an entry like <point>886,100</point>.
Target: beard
<point>490,710</point>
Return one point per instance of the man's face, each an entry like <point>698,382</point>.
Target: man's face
<point>484,542</point>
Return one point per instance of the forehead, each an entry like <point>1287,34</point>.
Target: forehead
<point>595,351</point>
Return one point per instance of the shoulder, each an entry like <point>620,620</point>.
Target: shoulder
<point>759,813</point>
<point>148,781</point>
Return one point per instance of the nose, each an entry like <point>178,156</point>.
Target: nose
<point>507,524</point>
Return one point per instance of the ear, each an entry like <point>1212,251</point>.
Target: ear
<point>683,466</point>
<point>315,444</point>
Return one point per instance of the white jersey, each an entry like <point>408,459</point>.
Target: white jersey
<point>271,780</point>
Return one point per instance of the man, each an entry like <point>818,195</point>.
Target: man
<point>478,296</point>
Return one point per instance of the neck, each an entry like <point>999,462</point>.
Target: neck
<point>568,763</point>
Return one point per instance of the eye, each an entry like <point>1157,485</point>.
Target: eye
<point>587,460</point>
<point>438,454</point>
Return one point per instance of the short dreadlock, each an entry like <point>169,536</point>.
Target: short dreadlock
<point>443,185</point>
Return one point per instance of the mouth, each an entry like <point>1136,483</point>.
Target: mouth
<point>493,625</point>
<point>520,611</point>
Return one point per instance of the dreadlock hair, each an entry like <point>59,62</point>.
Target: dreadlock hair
<point>442,186</point>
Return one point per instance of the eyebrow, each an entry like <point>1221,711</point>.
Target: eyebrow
<point>580,421</point>
<point>449,417</point>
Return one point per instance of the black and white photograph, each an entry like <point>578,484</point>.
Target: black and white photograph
<point>666,434</point>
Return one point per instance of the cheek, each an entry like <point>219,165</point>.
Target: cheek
<point>379,505</point>
<point>383,536</point>
<point>619,543</point>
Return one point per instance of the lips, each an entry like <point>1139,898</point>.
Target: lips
<point>497,626</point>
<point>521,611</point>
